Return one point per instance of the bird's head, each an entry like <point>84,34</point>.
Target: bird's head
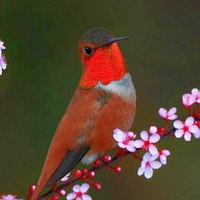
<point>101,57</point>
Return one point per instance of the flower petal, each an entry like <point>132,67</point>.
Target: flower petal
<point>76,188</point>
<point>140,171</point>
<point>153,149</point>
<point>162,112</point>
<point>71,196</point>
<point>179,133</point>
<point>187,136</point>
<point>131,148</point>
<point>84,187</point>
<point>178,124</point>
<point>197,135</point>
<point>1,45</point>
<point>189,121</point>
<point>166,152</point>
<point>138,143</point>
<point>153,129</point>
<point>188,100</point>
<point>194,91</point>
<point>154,157</point>
<point>163,159</point>
<point>172,117</point>
<point>146,156</point>
<point>148,172</point>
<point>121,145</point>
<point>8,197</point>
<point>86,197</point>
<point>118,135</point>
<point>0,70</point>
<point>155,164</point>
<point>154,138</point>
<point>144,135</point>
<point>143,164</point>
<point>172,111</point>
<point>3,65</point>
<point>130,134</point>
<point>193,129</point>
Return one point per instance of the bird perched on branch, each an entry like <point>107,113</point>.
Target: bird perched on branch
<point>104,100</point>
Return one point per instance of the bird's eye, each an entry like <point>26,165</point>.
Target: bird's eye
<point>87,50</point>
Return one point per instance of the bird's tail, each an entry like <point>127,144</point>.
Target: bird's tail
<point>67,164</point>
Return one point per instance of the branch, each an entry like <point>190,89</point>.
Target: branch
<point>102,163</point>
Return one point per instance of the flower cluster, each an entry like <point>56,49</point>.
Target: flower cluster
<point>79,192</point>
<point>125,139</point>
<point>153,158</point>
<point>186,129</point>
<point>190,98</point>
<point>3,64</point>
<point>148,144</point>
<point>190,126</point>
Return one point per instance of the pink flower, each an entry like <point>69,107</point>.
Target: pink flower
<point>1,45</point>
<point>154,130</point>
<point>196,94</point>
<point>79,193</point>
<point>169,115</point>
<point>65,178</point>
<point>197,134</point>
<point>163,156</point>
<point>2,64</point>
<point>188,100</point>
<point>148,164</point>
<point>185,128</point>
<point>9,197</point>
<point>125,139</point>
<point>148,143</point>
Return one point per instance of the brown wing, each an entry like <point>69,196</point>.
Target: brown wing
<point>71,136</point>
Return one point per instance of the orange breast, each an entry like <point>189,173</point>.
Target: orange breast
<point>115,114</point>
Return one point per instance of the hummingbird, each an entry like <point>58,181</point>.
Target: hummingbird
<point>104,100</point>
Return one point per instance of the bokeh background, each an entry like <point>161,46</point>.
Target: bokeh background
<point>44,69</point>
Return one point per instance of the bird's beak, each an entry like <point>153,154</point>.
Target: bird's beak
<point>114,40</point>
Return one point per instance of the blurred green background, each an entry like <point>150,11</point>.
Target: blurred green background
<point>44,69</point>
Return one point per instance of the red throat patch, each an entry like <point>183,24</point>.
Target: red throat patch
<point>105,65</point>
